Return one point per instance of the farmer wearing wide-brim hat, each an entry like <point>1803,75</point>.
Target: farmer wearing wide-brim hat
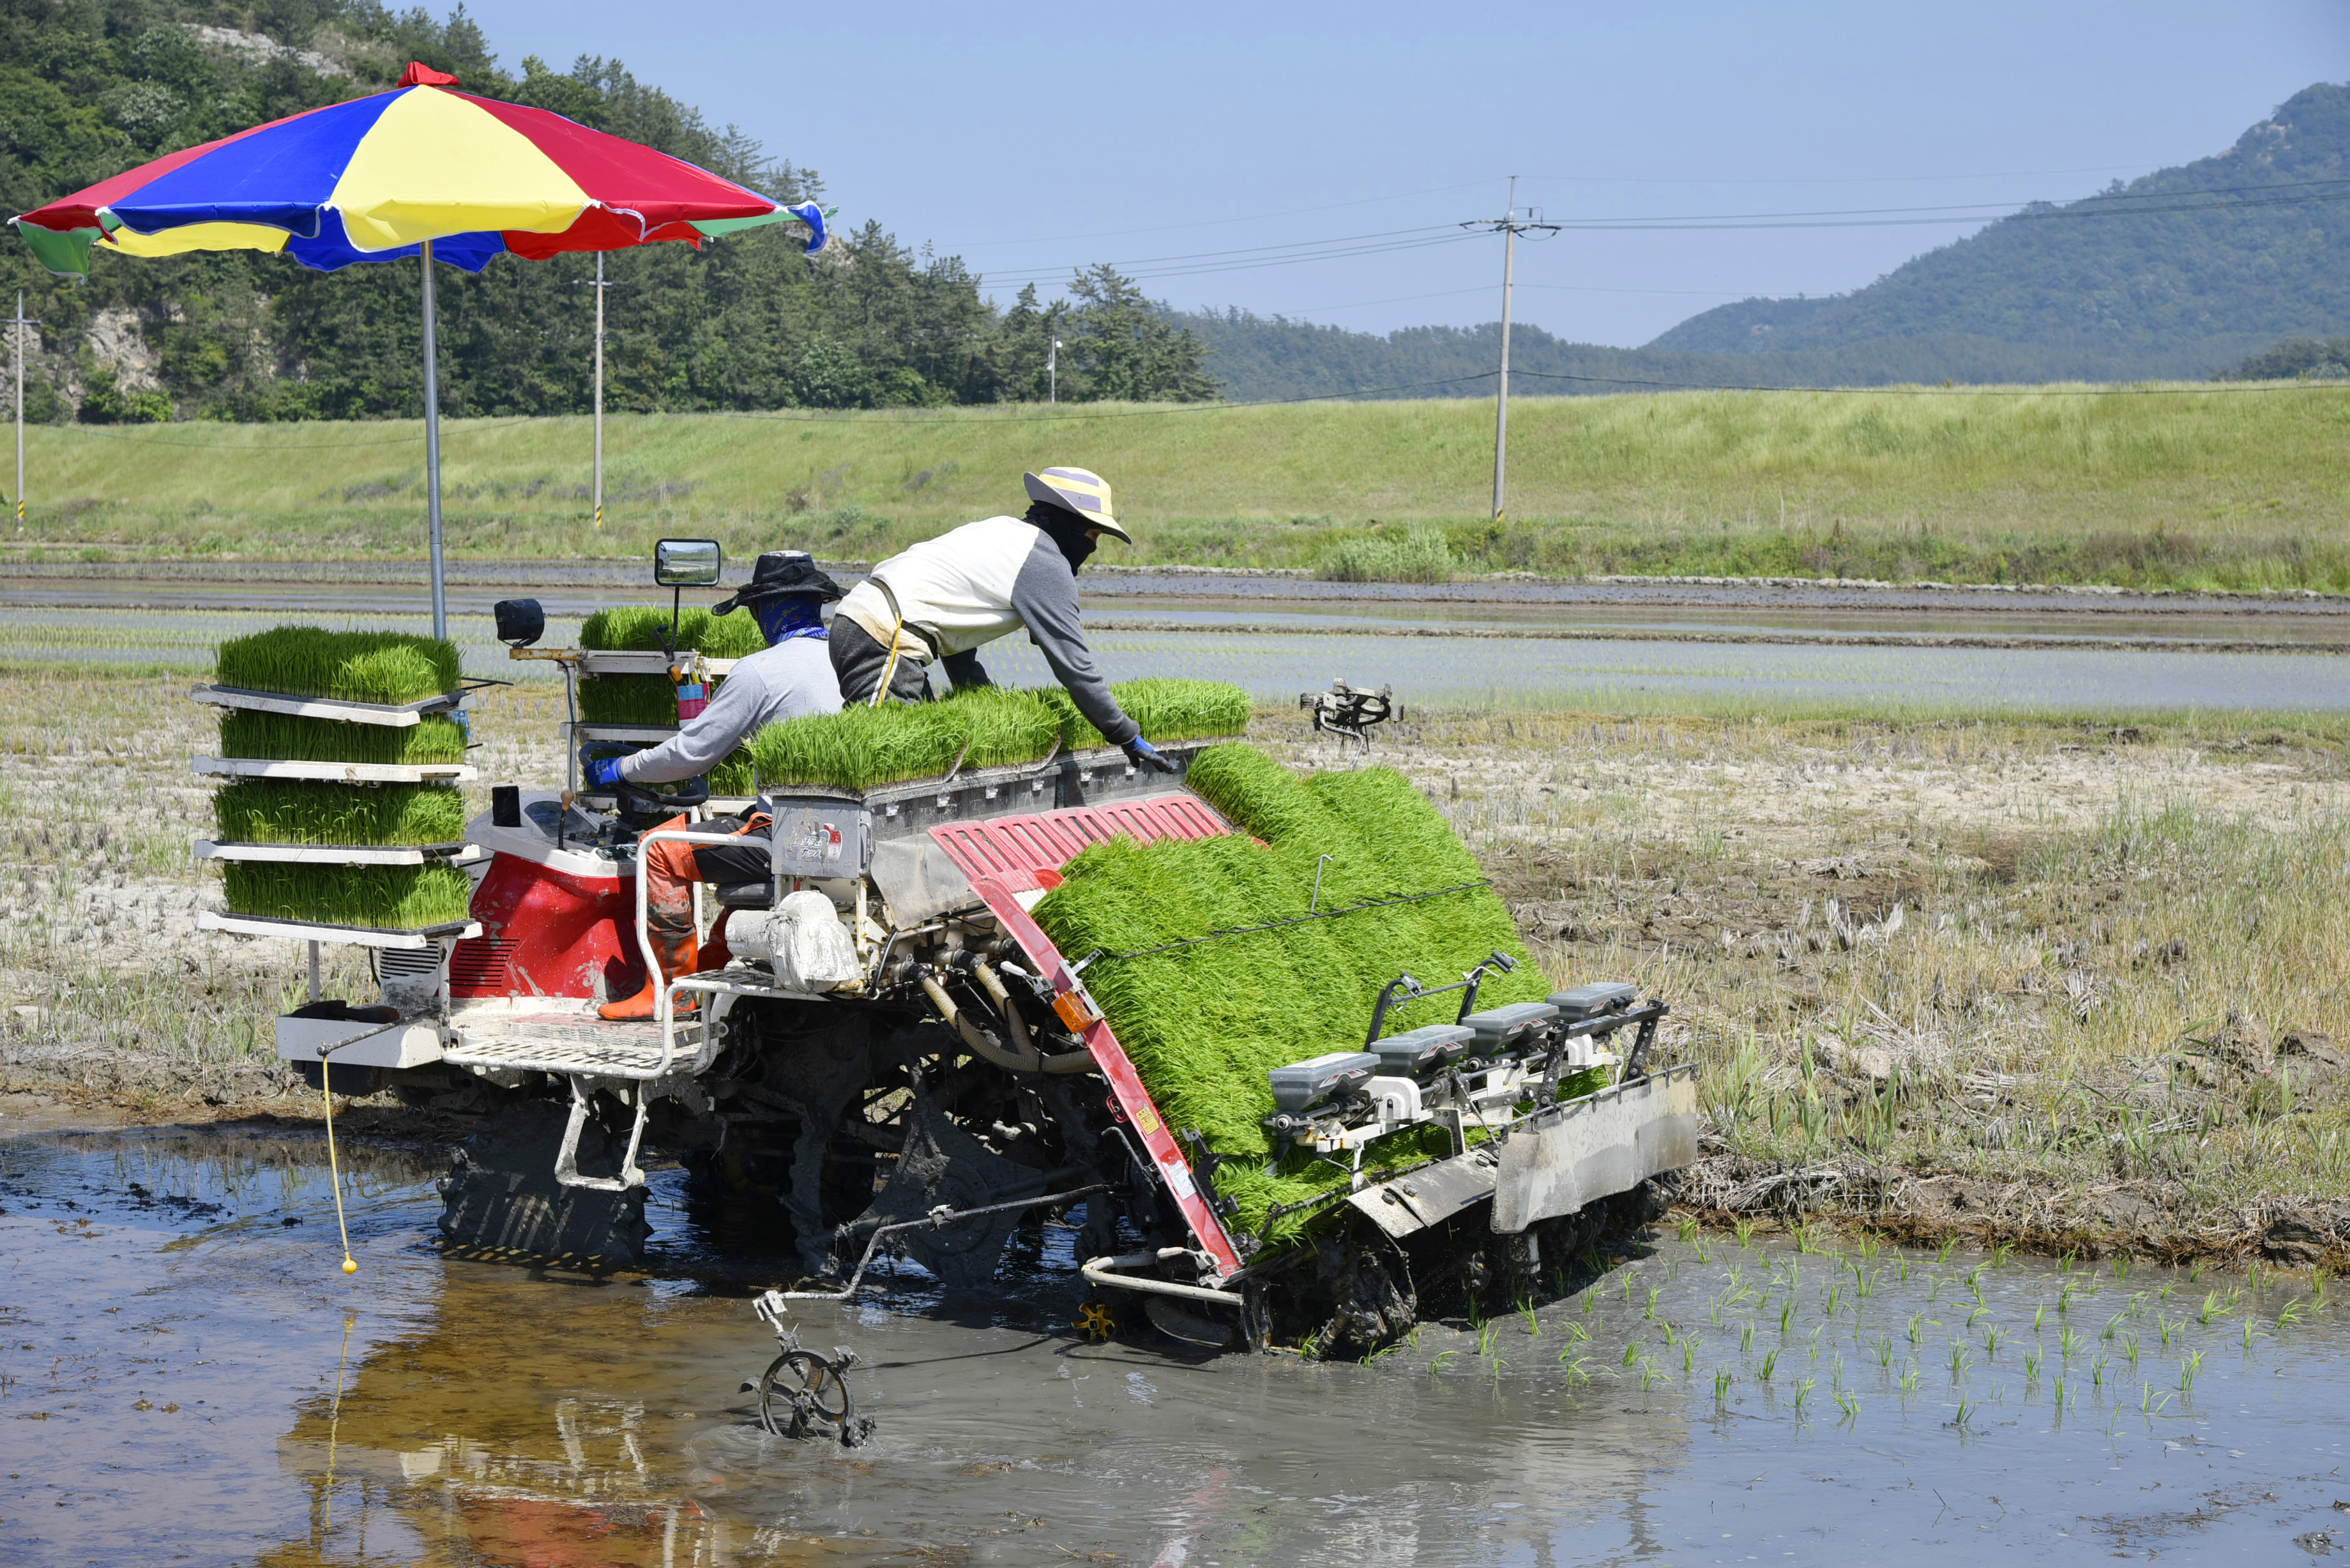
<point>936,602</point>
<point>790,677</point>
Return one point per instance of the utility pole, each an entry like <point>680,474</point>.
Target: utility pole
<point>1510,226</point>
<point>19,322</point>
<point>600,286</point>
<point>1052,373</point>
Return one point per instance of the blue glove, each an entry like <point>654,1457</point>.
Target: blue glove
<point>1143,754</point>
<point>603,773</point>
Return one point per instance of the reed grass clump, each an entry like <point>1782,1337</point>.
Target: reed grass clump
<point>385,667</point>
<point>271,810</point>
<point>651,699</point>
<point>244,732</point>
<point>1205,1023</point>
<point>392,897</point>
<point>985,726</point>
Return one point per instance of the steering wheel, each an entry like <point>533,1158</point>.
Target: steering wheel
<point>638,802</point>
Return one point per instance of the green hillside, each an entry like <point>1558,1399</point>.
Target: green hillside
<point>2133,282</point>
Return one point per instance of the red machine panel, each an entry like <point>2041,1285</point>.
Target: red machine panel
<point>546,932</point>
<point>1012,850</point>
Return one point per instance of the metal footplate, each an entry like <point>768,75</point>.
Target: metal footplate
<point>1551,1163</point>
<point>573,1043</point>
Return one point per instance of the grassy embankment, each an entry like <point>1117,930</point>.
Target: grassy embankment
<point>2096,1021</point>
<point>2212,487</point>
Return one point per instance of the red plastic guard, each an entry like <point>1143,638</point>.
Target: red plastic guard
<point>1007,855</point>
<point>1013,850</point>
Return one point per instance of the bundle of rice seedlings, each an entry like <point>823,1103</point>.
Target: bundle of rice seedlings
<point>271,811</point>
<point>247,734</point>
<point>394,898</point>
<point>985,726</point>
<point>651,699</point>
<point>1205,1023</point>
<point>348,666</point>
<point>1168,709</point>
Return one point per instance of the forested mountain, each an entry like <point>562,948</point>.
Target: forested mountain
<point>90,88</point>
<point>2176,275</point>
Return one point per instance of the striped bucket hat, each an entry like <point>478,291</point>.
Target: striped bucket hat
<point>1081,491</point>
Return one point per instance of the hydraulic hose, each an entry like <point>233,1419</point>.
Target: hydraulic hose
<point>987,1048</point>
<point>1067,1062</point>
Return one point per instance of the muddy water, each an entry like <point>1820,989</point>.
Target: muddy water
<point>189,1377</point>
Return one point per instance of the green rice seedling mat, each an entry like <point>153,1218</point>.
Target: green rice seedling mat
<point>248,733</point>
<point>267,810</point>
<point>651,699</point>
<point>386,667</point>
<point>1204,1023</point>
<point>390,898</point>
<point>865,748</point>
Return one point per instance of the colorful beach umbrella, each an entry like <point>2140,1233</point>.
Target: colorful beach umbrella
<point>420,170</point>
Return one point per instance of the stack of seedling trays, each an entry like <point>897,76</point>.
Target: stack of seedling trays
<point>338,817</point>
<point>626,696</point>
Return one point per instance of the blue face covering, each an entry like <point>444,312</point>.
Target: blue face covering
<point>802,614</point>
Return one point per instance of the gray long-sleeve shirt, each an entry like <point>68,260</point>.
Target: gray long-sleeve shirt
<point>974,584</point>
<point>793,678</point>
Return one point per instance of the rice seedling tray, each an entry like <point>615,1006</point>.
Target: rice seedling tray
<point>335,772</point>
<point>385,668</point>
<point>399,716</point>
<point>613,661</point>
<point>647,734</point>
<point>340,854</point>
<point>312,931</point>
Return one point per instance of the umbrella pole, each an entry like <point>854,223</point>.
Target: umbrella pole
<point>433,446</point>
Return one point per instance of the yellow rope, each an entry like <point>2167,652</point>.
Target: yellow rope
<point>334,1171</point>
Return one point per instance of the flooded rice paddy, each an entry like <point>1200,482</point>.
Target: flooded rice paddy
<point>187,1376</point>
<point>1497,655</point>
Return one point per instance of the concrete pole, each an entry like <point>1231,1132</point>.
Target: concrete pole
<point>20,410</point>
<point>1501,401</point>
<point>599,389</point>
<point>433,446</point>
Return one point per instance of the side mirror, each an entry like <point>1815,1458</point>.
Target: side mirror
<point>687,563</point>
<point>521,622</point>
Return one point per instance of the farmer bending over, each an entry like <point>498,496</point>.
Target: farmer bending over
<point>789,677</point>
<point>942,598</point>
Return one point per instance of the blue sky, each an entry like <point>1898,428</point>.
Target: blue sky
<point>1032,140</point>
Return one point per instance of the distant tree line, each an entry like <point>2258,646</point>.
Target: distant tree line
<point>90,88</point>
<point>2295,359</point>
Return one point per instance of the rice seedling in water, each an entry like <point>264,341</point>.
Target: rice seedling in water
<point>2251,1333</point>
<point>1688,1357</point>
<point>1976,1316</point>
<point>1578,1370</point>
<point>2121,1265</point>
<point>1527,1312</point>
<point>1648,1374</point>
<point>246,733</point>
<point>1991,1337</point>
<point>384,666</point>
<point>1883,1351</point>
<point>2318,1285</point>
<point>1631,1351</point>
<point>2031,1365</point>
<point>1436,1362</point>
<point>269,811</point>
<point>1746,1338</point>
<point>1787,1317</point>
<point>1966,1413</point>
<point>1829,1299</point>
<point>1723,1380</point>
<point>1745,1230</point>
<point>2212,1308</point>
<point>1909,1378</point>
<point>2068,1345</point>
<point>1654,1291</point>
<point>1687,1228</point>
<point>2167,1329</point>
<point>1917,1326</point>
<point>2063,1394</point>
<point>2291,1315</point>
<point>2194,1273</point>
<point>2150,1401</point>
<point>2189,1370</point>
<point>1804,1394</point>
<point>1959,1359</point>
<point>1770,1364</point>
<point>2098,1371</point>
<point>394,898</point>
<point>1849,1405</point>
<point>2039,1317</point>
<point>1942,1255</point>
<point>2113,1326</point>
<point>2002,1254</point>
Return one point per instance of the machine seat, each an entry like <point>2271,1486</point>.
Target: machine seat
<point>746,895</point>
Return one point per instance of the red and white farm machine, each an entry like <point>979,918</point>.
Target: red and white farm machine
<point>898,1061</point>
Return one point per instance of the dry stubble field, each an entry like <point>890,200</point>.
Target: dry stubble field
<point>2070,987</point>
